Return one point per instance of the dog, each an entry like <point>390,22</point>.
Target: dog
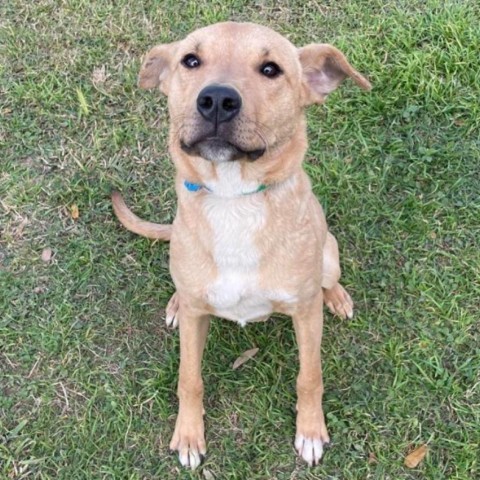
<point>249,237</point>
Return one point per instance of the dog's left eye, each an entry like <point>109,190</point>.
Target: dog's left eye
<point>270,70</point>
<point>191,61</point>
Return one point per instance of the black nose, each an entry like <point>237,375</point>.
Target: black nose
<point>218,104</point>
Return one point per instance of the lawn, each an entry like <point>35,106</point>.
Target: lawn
<point>88,369</point>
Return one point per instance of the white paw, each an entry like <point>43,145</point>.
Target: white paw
<point>190,458</point>
<point>188,439</point>
<point>171,317</point>
<point>310,449</point>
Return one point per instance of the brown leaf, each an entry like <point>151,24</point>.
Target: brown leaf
<point>372,458</point>
<point>244,357</point>
<point>46,255</point>
<point>415,457</point>
<point>74,212</point>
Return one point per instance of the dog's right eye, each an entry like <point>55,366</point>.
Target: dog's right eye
<point>191,61</point>
<point>270,70</point>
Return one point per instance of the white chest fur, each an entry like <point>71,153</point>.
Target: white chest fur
<point>236,221</point>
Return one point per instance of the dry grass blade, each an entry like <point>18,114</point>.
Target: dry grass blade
<point>208,475</point>
<point>99,75</point>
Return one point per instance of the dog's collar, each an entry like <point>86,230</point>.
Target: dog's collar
<point>195,187</point>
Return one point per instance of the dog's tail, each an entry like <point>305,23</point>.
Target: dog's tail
<point>131,222</point>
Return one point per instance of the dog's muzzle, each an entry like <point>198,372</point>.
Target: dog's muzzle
<point>218,105</point>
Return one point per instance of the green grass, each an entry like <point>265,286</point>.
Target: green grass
<point>87,368</point>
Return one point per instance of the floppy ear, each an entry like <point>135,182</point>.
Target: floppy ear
<point>324,69</point>
<point>156,67</point>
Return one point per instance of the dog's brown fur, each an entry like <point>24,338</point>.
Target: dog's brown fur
<point>245,256</point>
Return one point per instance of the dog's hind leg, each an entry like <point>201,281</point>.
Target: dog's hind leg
<point>171,312</point>
<point>335,296</point>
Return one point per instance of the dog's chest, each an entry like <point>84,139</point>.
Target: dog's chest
<point>236,222</point>
<point>234,294</point>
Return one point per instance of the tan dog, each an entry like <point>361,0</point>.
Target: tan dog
<point>249,237</point>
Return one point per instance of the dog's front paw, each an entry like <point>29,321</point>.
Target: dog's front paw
<point>171,312</point>
<point>310,441</point>
<point>188,439</point>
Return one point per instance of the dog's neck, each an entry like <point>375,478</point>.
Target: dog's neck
<point>230,180</point>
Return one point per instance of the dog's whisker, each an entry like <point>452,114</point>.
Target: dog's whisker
<point>260,134</point>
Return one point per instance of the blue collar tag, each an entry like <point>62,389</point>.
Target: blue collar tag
<point>192,187</point>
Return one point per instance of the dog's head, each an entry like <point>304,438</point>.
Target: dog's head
<point>238,90</point>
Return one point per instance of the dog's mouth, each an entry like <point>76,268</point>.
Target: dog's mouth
<point>218,150</point>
